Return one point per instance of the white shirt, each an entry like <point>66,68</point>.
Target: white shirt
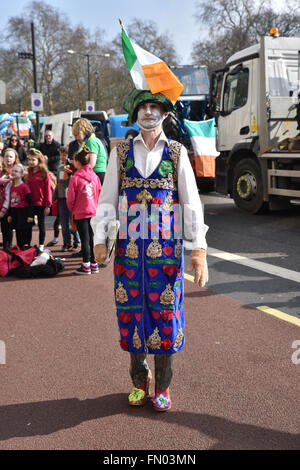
<point>146,161</point>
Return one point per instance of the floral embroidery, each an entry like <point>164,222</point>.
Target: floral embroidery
<point>161,401</point>
<point>121,294</point>
<point>144,197</point>
<point>136,339</point>
<point>168,202</point>
<point>178,249</point>
<point>167,297</point>
<point>154,249</point>
<point>132,250</point>
<point>154,341</point>
<point>179,338</point>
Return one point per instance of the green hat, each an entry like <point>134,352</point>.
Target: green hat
<point>137,97</point>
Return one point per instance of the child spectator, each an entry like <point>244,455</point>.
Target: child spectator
<point>20,214</point>
<point>10,158</point>
<point>60,195</point>
<point>82,199</point>
<point>39,182</point>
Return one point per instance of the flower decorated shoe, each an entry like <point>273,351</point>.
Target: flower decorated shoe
<point>139,395</point>
<point>161,401</point>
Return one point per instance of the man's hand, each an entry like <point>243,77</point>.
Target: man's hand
<point>100,253</point>
<point>46,211</point>
<point>198,264</point>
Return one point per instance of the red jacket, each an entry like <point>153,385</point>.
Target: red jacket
<point>83,193</point>
<point>40,189</point>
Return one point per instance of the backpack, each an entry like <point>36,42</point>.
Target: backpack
<point>14,258</point>
<point>50,269</point>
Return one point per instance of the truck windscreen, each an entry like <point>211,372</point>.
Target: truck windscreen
<point>195,80</point>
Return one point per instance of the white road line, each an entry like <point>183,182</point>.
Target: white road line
<point>251,263</point>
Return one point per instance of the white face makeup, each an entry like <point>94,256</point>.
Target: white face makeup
<point>150,116</point>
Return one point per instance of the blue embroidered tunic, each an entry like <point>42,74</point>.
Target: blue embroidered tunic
<point>148,266</point>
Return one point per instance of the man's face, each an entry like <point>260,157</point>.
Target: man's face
<point>48,137</point>
<point>150,115</point>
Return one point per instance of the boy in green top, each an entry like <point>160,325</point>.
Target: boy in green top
<point>83,131</point>
<point>97,148</point>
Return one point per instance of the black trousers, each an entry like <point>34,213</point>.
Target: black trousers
<point>24,236</point>
<point>39,212</point>
<point>101,175</point>
<point>87,239</point>
<point>7,233</point>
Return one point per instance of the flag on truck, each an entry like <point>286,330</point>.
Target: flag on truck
<point>203,139</point>
<point>148,72</point>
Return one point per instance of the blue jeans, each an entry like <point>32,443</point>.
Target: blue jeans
<point>65,220</point>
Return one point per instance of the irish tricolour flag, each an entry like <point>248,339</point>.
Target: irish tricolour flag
<point>148,72</point>
<point>203,138</point>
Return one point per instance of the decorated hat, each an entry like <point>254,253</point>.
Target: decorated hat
<point>138,97</point>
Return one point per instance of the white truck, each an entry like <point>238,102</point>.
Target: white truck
<point>256,102</point>
<point>61,124</point>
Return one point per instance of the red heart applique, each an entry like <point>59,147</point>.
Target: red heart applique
<point>153,272</point>
<point>155,315</point>
<point>120,251</point>
<point>122,234</point>
<point>167,315</point>
<point>153,296</point>
<point>134,292</point>
<point>178,294</point>
<point>125,317</point>
<point>167,343</point>
<point>168,250</point>
<point>177,314</point>
<point>165,233</point>
<point>179,272</point>
<point>124,344</point>
<point>153,227</point>
<point>166,219</point>
<point>169,270</point>
<point>119,269</point>
<point>167,330</point>
<point>124,331</point>
<point>132,227</point>
<point>130,273</point>
<point>138,316</point>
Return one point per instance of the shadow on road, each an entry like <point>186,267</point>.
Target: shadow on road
<point>43,418</point>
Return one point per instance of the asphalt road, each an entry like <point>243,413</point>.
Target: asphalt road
<point>65,381</point>
<point>271,238</point>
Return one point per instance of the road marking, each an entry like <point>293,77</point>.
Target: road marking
<point>189,277</point>
<point>259,265</point>
<point>279,314</point>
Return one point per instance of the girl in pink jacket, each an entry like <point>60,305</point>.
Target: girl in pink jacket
<point>82,199</point>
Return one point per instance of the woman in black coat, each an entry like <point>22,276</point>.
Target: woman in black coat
<point>14,143</point>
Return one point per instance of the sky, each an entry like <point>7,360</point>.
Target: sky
<point>173,16</point>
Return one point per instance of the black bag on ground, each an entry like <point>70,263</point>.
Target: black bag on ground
<point>51,268</point>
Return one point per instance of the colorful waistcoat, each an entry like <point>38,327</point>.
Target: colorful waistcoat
<point>149,261</point>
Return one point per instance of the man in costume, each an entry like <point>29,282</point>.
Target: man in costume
<point>148,179</point>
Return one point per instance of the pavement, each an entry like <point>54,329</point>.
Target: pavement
<point>65,379</point>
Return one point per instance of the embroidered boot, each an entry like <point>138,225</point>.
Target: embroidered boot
<point>139,395</point>
<point>161,401</point>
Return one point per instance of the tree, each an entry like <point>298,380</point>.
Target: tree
<point>233,25</point>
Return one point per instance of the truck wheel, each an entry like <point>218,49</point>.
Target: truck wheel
<point>247,187</point>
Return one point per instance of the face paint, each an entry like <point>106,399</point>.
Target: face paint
<point>149,116</point>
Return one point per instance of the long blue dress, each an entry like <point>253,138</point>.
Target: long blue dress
<point>148,267</point>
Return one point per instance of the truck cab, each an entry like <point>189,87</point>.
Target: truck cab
<point>255,100</point>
